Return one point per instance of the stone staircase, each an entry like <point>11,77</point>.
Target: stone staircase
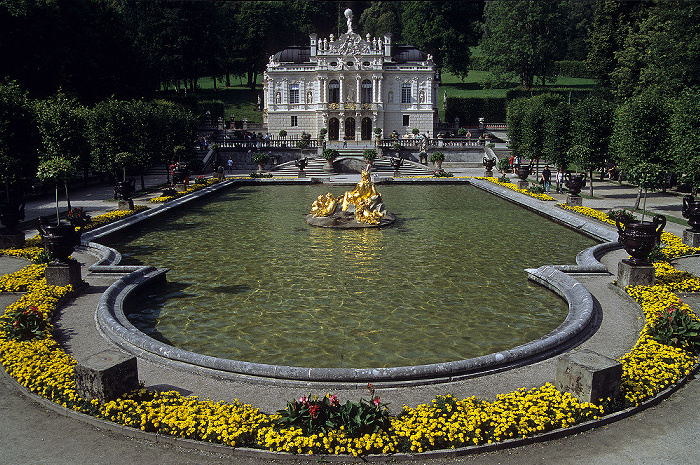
<point>381,167</point>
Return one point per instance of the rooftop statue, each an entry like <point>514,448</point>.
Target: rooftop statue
<point>348,16</point>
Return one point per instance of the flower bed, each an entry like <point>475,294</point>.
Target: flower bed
<point>193,187</point>
<point>45,369</point>
<point>511,186</point>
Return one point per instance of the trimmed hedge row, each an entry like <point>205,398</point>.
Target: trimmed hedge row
<point>470,109</point>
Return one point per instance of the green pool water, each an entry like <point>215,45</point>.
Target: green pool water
<point>250,280</point>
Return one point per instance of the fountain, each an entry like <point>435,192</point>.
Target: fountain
<point>287,294</point>
<point>361,207</point>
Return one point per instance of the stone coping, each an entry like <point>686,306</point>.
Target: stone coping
<point>112,322</point>
<point>262,454</point>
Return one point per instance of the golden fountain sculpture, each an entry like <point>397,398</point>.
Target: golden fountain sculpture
<point>358,208</point>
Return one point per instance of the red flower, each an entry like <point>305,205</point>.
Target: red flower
<point>313,410</point>
<point>334,401</point>
<point>375,401</point>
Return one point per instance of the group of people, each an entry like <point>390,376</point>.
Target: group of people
<point>546,179</point>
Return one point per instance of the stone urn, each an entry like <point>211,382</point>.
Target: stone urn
<point>124,189</point>
<point>59,239</point>
<point>640,237</point>
<point>523,171</point>
<point>423,157</point>
<point>574,183</point>
<point>489,163</point>
<point>301,164</point>
<point>178,175</point>
<point>396,163</point>
<point>691,211</point>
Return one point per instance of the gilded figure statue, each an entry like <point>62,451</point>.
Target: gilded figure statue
<point>324,205</point>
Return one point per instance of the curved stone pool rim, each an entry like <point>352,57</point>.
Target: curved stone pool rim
<point>112,321</point>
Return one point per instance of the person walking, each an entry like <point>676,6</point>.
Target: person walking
<point>546,178</point>
<point>230,165</point>
<point>560,180</point>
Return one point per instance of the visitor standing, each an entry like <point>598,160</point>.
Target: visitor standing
<point>230,165</point>
<point>560,180</point>
<point>546,178</point>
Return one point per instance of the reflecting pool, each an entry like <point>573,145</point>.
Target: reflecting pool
<point>250,280</point>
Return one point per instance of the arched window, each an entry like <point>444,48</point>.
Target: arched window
<point>366,87</point>
<point>334,91</point>
<point>406,92</point>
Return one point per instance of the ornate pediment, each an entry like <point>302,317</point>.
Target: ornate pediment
<point>349,44</point>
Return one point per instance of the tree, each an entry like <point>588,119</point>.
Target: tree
<point>641,134</point>
<point>606,36</point>
<point>19,137</point>
<point>661,51</point>
<point>445,29</point>
<point>685,137</point>
<point>515,119</point>
<point>521,40</point>
<point>592,128</point>
<point>80,46</point>
<point>381,18</point>
<point>62,123</point>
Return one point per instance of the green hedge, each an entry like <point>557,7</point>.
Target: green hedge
<point>573,93</point>
<point>470,109</point>
<point>215,107</point>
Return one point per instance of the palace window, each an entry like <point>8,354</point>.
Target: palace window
<point>406,93</point>
<point>293,122</point>
<point>405,120</point>
<point>366,89</point>
<point>334,92</point>
<point>294,93</point>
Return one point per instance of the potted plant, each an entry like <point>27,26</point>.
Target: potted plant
<point>369,155</point>
<point>322,137</point>
<point>260,158</point>
<point>59,239</point>
<point>283,135</point>
<point>329,155</point>
<point>437,158</point>
<point>503,165</point>
<point>415,131</point>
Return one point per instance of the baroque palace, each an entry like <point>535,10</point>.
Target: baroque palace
<point>350,86</point>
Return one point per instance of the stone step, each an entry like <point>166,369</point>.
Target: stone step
<point>382,166</point>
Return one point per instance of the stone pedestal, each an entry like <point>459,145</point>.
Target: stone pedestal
<point>691,238</point>
<point>635,275</point>
<point>301,174</point>
<point>106,375</point>
<point>589,376</point>
<point>126,204</point>
<point>397,174</point>
<point>523,184</point>
<point>180,187</point>
<point>63,274</point>
<point>573,200</point>
<point>488,174</point>
<point>12,240</point>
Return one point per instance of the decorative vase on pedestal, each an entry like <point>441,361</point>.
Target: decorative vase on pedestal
<point>61,240</point>
<point>574,183</point>
<point>640,237</point>
<point>691,211</point>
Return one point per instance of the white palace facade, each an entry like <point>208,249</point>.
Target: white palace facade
<point>350,86</point>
